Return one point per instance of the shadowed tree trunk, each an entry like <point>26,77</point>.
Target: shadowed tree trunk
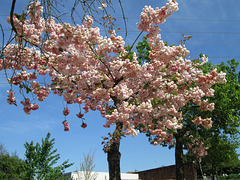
<point>214,172</point>
<point>179,156</point>
<point>113,155</point>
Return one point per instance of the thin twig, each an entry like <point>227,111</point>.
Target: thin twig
<point>101,61</point>
<point>133,45</point>
<point>124,18</point>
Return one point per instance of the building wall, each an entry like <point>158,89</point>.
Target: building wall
<point>168,173</point>
<point>101,176</point>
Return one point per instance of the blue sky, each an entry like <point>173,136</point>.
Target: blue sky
<point>215,27</point>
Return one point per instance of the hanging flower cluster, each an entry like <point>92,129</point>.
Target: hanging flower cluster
<point>87,68</point>
<point>197,147</point>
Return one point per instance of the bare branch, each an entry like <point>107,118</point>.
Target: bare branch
<point>124,18</point>
<point>50,9</point>
<point>11,16</point>
<point>99,10</point>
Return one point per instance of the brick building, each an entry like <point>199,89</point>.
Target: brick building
<point>168,173</point>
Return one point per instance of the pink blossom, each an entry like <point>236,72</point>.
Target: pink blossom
<point>207,123</point>
<point>84,125</point>
<point>11,99</point>
<point>34,106</point>
<point>66,111</point>
<point>66,125</point>
<point>197,147</point>
<point>79,115</point>
<point>86,68</point>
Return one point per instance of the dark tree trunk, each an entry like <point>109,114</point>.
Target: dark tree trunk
<point>213,171</point>
<point>113,156</point>
<point>179,157</point>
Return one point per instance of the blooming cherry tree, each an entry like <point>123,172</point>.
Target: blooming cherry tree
<point>97,72</point>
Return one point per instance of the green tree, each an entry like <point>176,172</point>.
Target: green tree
<point>40,161</point>
<point>222,156</point>
<point>11,166</point>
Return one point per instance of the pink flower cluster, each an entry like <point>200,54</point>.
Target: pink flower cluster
<point>207,123</point>
<point>87,68</point>
<point>27,106</point>
<point>66,111</point>
<point>23,76</point>
<point>30,30</point>
<point>66,125</point>
<point>197,148</point>
<point>11,99</point>
<point>149,16</point>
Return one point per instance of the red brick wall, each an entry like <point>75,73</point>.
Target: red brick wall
<point>168,173</point>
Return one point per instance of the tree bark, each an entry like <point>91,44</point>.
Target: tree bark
<point>179,157</point>
<point>114,155</point>
<point>213,171</point>
<point>200,167</point>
